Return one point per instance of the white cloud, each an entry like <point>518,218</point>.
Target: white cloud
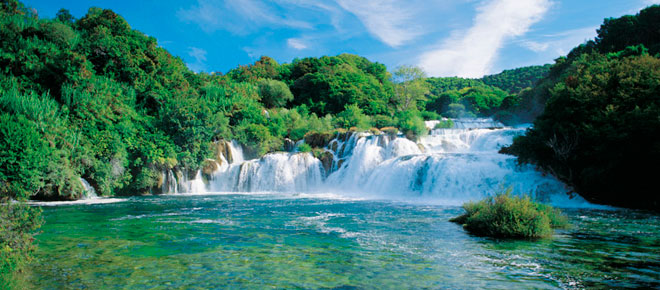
<point>200,59</point>
<point>393,22</point>
<point>560,43</point>
<point>296,43</point>
<point>473,52</point>
<point>237,16</point>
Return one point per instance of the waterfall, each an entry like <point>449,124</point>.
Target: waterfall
<point>237,152</point>
<point>170,184</point>
<point>448,166</point>
<point>281,172</point>
<point>195,185</point>
<point>90,192</point>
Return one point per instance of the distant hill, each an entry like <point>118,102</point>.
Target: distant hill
<point>461,97</point>
<point>514,81</point>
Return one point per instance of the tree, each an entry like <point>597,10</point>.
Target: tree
<point>64,16</point>
<point>410,88</point>
<point>599,128</point>
<point>352,116</point>
<point>274,93</point>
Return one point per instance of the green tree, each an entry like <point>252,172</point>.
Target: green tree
<point>352,116</point>
<point>410,88</point>
<point>24,157</point>
<point>600,125</point>
<point>274,93</point>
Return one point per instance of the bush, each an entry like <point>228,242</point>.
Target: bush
<point>380,121</point>
<point>274,93</point>
<point>430,115</point>
<point>508,216</point>
<point>304,147</point>
<point>444,124</point>
<point>411,124</point>
<point>352,116</point>
<point>18,222</point>
<point>257,139</point>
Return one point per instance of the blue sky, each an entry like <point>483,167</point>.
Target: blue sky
<point>467,38</point>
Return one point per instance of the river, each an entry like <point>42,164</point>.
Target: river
<point>371,212</point>
<point>257,241</point>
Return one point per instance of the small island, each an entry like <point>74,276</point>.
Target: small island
<point>507,216</point>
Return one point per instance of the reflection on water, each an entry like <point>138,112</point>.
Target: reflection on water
<point>259,241</point>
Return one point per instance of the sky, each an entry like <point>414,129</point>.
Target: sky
<point>466,38</point>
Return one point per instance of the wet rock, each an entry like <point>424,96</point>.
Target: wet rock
<point>222,149</point>
<point>327,159</point>
<point>208,168</point>
<point>289,145</point>
<point>318,140</point>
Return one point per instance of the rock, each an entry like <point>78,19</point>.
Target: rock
<point>340,163</point>
<point>318,140</point>
<point>327,159</point>
<point>390,131</point>
<point>222,149</point>
<point>209,167</point>
<point>333,145</point>
<point>421,147</point>
<point>289,145</point>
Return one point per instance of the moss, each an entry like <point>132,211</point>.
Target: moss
<point>391,131</point>
<point>319,139</point>
<point>508,216</point>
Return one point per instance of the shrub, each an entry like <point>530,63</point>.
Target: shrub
<point>411,124</point>
<point>508,216</point>
<point>352,116</point>
<point>430,115</point>
<point>381,121</point>
<point>257,139</point>
<point>274,93</point>
<point>444,124</point>
<point>18,222</point>
<point>304,147</point>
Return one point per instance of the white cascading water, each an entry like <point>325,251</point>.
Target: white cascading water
<point>448,166</point>
<point>279,172</point>
<point>169,182</point>
<point>90,192</point>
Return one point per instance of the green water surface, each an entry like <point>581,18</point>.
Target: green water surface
<point>277,241</point>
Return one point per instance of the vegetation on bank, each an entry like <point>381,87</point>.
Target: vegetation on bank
<point>18,223</point>
<point>507,216</point>
<point>600,129</point>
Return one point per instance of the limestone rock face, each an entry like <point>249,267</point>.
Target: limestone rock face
<point>222,149</point>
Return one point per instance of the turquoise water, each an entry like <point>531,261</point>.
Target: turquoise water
<point>287,241</point>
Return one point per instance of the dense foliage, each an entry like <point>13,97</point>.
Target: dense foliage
<point>508,216</point>
<point>93,98</point>
<point>18,222</point>
<point>513,81</point>
<point>497,94</point>
<point>601,126</point>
